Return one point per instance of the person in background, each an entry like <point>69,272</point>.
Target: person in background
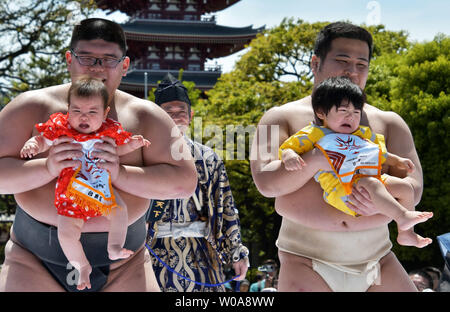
<point>244,286</point>
<point>266,278</point>
<point>435,274</point>
<point>422,280</point>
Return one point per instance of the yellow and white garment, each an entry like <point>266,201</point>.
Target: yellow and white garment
<point>351,157</point>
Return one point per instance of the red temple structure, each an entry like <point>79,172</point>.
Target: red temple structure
<point>168,35</point>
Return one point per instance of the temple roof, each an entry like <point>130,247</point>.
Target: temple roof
<point>187,31</point>
<point>134,80</point>
<point>130,7</point>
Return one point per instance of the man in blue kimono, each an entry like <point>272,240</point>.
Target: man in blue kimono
<point>196,236</point>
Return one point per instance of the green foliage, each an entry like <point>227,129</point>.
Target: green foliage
<point>415,85</point>
<point>387,42</point>
<point>281,52</point>
<point>38,33</point>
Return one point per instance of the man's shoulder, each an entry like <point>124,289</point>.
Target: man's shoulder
<point>137,106</point>
<point>375,111</point>
<point>387,118</point>
<point>297,105</point>
<point>286,112</point>
<point>42,101</point>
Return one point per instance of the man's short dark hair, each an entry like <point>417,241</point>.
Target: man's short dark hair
<point>99,28</point>
<point>340,30</point>
<point>332,91</point>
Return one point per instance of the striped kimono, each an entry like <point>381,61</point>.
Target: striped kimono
<point>197,236</point>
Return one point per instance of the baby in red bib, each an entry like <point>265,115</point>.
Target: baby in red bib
<point>86,191</point>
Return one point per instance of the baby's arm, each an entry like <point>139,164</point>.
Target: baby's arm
<point>292,161</point>
<point>136,141</point>
<point>400,163</point>
<point>34,146</point>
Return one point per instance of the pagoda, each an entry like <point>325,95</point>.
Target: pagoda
<point>168,35</point>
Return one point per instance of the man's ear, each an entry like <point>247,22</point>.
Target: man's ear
<point>68,58</point>
<point>192,113</point>
<point>125,65</point>
<point>106,112</point>
<point>315,63</point>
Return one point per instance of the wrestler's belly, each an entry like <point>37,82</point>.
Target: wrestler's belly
<point>307,206</point>
<point>39,203</point>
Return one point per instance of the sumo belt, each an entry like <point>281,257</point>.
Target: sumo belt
<point>186,229</point>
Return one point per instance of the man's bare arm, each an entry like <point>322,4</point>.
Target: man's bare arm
<point>17,175</point>
<point>399,141</point>
<point>168,171</point>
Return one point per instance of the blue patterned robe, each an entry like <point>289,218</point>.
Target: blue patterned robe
<point>200,259</point>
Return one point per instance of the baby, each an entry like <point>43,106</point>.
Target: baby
<point>355,155</point>
<point>86,191</point>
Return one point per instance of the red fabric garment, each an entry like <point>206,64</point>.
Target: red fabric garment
<point>57,126</point>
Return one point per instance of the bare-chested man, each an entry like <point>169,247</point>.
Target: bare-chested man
<point>321,248</point>
<point>33,255</point>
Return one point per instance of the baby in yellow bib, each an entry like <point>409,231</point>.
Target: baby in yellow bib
<point>355,155</point>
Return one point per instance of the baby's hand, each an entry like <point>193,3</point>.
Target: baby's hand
<point>406,164</point>
<point>29,150</point>
<point>292,161</point>
<point>138,141</point>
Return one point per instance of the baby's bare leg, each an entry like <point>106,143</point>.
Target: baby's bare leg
<point>404,193</point>
<point>118,230</point>
<point>69,232</point>
<point>389,206</point>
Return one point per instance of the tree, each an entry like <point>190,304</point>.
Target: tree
<point>35,35</point>
<point>415,85</point>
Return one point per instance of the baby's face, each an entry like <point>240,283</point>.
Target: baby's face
<point>86,115</point>
<point>342,119</point>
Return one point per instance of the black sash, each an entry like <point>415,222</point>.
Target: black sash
<point>42,240</point>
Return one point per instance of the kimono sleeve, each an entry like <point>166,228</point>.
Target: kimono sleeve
<point>303,141</point>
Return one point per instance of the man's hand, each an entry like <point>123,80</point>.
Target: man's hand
<point>240,268</point>
<point>63,154</point>
<point>107,153</point>
<point>361,203</point>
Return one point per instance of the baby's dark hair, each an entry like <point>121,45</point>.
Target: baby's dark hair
<point>332,91</point>
<point>99,28</point>
<point>88,87</point>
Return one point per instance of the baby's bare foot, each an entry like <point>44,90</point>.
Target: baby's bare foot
<point>410,238</point>
<point>411,218</point>
<point>83,279</point>
<point>117,252</point>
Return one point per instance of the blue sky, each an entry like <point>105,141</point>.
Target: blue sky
<point>420,18</point>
